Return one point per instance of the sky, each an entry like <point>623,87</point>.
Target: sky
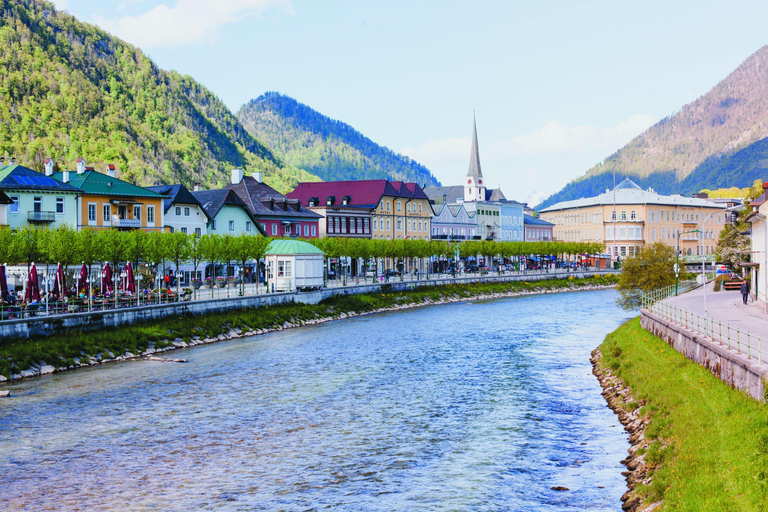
<point>555,86</point>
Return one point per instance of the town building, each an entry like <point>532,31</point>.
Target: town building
<point>511,221</point>
<point>108,202</point>
<point>37,199</point>
<point>277,214</point>
<point>4,202</point>
<point>453,222</point>
<point>227,214</point>
<point>537,230</point>
<point>182,211</point>
<point>759,249</point>
<point>377,209</point>
<point>640,217</point>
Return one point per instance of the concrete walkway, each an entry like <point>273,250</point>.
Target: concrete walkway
<point>724,306</point>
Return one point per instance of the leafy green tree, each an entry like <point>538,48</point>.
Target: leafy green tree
<point>25,246</point>
<point>210,247</point>
<point>178,249</point>
<point>196,256</point>
<point>651,268</point>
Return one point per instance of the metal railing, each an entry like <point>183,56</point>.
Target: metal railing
<point>743,341</point>
<point>41,216</point>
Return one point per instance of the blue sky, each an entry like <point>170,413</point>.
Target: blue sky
<point>557,86</point>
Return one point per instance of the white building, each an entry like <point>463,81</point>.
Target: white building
<point>183,212</point>
<point>759,248</point>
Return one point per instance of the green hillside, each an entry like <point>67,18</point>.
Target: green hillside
<point>69,89</point>
<point>323,146</point>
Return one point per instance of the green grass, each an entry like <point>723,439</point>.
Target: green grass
<point>60,350</point>
<point>710,442</point>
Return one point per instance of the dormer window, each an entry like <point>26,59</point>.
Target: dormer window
<point>330,200</point>
<point>345,200</point>
<point>313,201</point>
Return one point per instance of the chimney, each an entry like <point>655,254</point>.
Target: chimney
<point>13,161</point>
<point>197,187</point>
<point>80,165</point>
<point>237,176</point>
<point>65,176</point>
<point>110,170</point>
<point>48,166</point>
<point>445,198</point>
<point>607,190</point>
<point>257,176</point>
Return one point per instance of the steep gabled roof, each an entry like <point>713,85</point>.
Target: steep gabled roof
<point>92,182</point>
<point>177,194</point>
<point>474,156</point>
<point>213,201</point>
<point>18,177</point>
<point>494,194</point>
<point>251,192</point>
<point>362,194</point>
<point>452,193</point>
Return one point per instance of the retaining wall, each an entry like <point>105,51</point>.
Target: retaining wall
<point>738,370</point>
<point>43,326</point>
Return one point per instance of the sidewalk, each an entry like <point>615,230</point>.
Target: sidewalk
<point>724,306</point>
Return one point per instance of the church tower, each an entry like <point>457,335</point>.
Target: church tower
<point>474,187</point>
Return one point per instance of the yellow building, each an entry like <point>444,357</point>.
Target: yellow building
<point>107,202</point>
<point>640,217</point>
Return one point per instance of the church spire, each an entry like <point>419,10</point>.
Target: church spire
<point>474,156</point>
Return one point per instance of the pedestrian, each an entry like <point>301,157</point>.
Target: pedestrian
<point>744,291</point>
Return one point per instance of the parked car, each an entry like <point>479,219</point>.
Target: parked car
<point>331,274</point>
<point>390,273</point>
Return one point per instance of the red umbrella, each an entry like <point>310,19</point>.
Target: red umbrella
<point>106,281</point>
<point>83,278</point>
<point>129,277</point>
<point>59,285</point>
<point>33,288</point>
<point>3,283</point>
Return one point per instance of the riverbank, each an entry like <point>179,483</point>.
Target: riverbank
<point>696,444</point>
<point>69,350</point>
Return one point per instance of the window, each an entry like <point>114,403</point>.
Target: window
<point>359,225</point>
<point>306,230</point>
<point>264,227</point>
<point>178,211</point>
<point>231,225</point>
<point>399,224</point>
<point>366,226</point>
<point>198,232</point>
<point>137,212</point>
<point>106,213</point>
<point>633,215</point>
<point>38,206</point>
<point>399,206</point>
<point>150,214</point>
<point>343,225</point>
<point>387,205</point>
<point>389,225</point>
<point>170,230</point>
<point>409,207</point>
<point>186,211</point>
<point>419,207</point>
<point>248,225</point>
<point>297,229</point>
<point>375,223</point>
<point>15,204</point>
<point>91,212</point>
<point>623,215</point>
<point>274,229</point>
<point>287,230</point>
<point>184,230</point>
<point>59,205</point>
<point>314,231</point>
<point>213,225</point>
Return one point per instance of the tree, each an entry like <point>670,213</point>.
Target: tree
<point>195,257</point>
<point>651,268</point>
<point>210,247</point>
<point>733,247</point>
<point>178,249</point>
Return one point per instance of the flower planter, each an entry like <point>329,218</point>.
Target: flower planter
<point>221,284</point>
<point>197,284</point>
<point>209,284</point>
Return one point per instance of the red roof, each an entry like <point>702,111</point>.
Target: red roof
<point>111,167</point>
<point>363,193</point>
<point>81,159</point>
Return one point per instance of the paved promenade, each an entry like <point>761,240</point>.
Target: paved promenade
<point>724,306</point>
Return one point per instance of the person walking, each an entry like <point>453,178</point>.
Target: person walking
<point>744,291</point>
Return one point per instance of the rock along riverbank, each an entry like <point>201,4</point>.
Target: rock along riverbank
<point>619,395</point>
<point>166,345</point>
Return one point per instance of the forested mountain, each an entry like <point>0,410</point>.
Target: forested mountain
<point>68,89</point>
<point>323,146</point>
<point>717,140</point>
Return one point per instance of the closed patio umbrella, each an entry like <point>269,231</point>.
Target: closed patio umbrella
<point>33,287</point>
<point>82,279</point>
<point>130,286</point>
<point>3,283</point>
<point>59,285</point>
<point>106,280</point>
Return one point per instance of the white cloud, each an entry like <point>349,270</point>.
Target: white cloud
<point>60,5</point>
<point>536,197</point>
<point>187,22</point>
<point>441,150</point>
<point>555,137</point>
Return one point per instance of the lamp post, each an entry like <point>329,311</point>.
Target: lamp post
<point>124,277</point>
<point>703,273</point>
<point>138,290</point>
<point>115,278</point>
<point>45,278</point>
<point>100,275</point>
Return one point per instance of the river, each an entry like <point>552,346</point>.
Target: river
<point>468,406</point>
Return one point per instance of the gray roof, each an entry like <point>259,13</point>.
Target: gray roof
<point>452,194</point>
<point>474,156</point>
<point>177,194</point>
<point>214,200</point>
<point>628,193</point>
<point>252,192</point>
<point>535,221</point>
<point>494,194</point>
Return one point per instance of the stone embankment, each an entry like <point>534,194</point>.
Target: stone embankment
<point>178,343</point>
<point>618,395</point>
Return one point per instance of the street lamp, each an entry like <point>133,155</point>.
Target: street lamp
<point>138,290</point>
<point>703,273</point>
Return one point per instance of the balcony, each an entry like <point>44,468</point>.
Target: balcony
<point>126,223</point>
<point>41,217</point>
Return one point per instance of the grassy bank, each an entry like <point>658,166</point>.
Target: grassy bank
<point>708,443</point>
<point>70,348</point>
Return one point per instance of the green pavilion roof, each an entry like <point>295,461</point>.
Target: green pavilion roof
<point>292,247</point>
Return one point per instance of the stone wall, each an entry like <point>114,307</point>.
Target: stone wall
<point>43,326</point>
<point>738,370</point>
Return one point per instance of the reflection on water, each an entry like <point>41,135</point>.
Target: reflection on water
<point>470,406</point>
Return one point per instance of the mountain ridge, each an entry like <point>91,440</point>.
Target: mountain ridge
<point>326,147</point>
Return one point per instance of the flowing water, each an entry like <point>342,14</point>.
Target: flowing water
<point>467,406</point>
